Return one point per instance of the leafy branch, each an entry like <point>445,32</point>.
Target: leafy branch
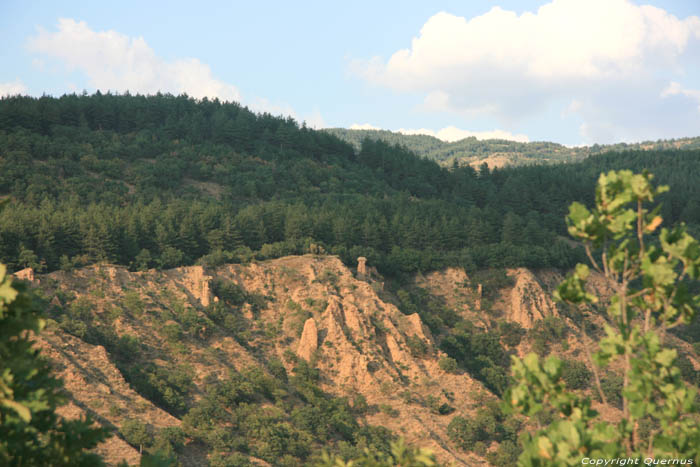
<point>649,278</point>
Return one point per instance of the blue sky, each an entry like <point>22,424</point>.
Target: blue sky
<point>570,71</point>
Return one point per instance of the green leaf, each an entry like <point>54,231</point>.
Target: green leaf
<point>7,292</point>
<point>666,357</point>
<point>23,412</point>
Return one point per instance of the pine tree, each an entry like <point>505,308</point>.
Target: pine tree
<point>512,230</point>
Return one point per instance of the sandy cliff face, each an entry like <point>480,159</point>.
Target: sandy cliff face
<point>311,306</point>
<point>309,340</point>
<point>359,342</point>
<point>528,302</point>
<point>97,388</point>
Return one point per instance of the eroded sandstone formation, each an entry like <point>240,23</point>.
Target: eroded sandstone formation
<point>528,301</point>
<point>320,310</point>
<point>362,266</point>
<point>309,340</point>
<point>26,274</point>
<point>196,281</point>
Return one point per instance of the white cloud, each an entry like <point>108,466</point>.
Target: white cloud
<point>574,106</point>
<point>116,62</point>
<point>675,89</point>
<point>416,131</point>
<point>452,133</point>
<point>12,88</point>
<point>315,120</point>
<point>512,67</point>
<point>449,133</point>
<point>363,126</point>
<point>263,105</point>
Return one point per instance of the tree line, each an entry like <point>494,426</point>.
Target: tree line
<point>163,181</point>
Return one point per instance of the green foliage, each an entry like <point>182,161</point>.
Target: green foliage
<point>126,347</point>
<point>231,293</point>
<point>164,443</point>
<point>470,150</point>
<point>611,385</point>
<point>143,261</point>
<point>133,303</point>
<point>278,418</point>
<point>166,386</point>
<point>117,178</point>
<point>388,410</point>
<point>297,317</point>
<point>127,187</point>
<point>169,438</point>
<point>400,455</point>
<point>511,333</point>
<point>137,433</point>
<point>162,181</point>
<point>31,433</point>
<point>548,331</point>
<point>329,277</point>
<point>490,424</point>
<point>194,324</point>
<point>467,347</point>
<point>648,276</point>
<point>448,364</point>
<point>114,410</point>
<point>231,319</point>
<point>479,353</point>
<point>276,369</point>
<point>417,346</point>
<point>575,374</point>
<point>359,404</point>
<point>171,257</point>
<point>157,459</point>
<point>574,427</point>
<point>506,455</point>
<point>687,370</point>
<point>172,332</point>
<point>77,318</point>
<point>29,259</point>
<point>233,460</point>
<point>491,281</point>
<point>432,311</point>
<point>437,407</point>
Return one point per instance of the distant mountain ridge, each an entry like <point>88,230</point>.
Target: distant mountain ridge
<point>499,152</point>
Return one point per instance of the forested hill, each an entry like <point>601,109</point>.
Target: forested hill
<point>496,152</point>
<point>423,145</point>
<point>163,181</point>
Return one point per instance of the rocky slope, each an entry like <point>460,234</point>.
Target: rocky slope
<point>357,340</point>
<point>313,307</point>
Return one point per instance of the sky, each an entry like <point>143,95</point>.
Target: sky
<point>569,71</point>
